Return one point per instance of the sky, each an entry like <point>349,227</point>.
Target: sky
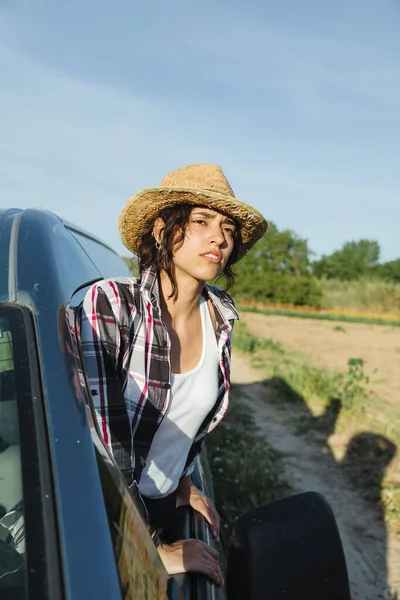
<point>297,101</point>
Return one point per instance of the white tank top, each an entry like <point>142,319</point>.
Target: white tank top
<point>193,394</point>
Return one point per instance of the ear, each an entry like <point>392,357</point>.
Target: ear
<point>157,229</point>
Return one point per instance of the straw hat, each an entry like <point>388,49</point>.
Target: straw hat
<point>200,185</point>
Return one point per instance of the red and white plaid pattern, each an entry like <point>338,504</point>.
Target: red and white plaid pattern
<point>126,350</point>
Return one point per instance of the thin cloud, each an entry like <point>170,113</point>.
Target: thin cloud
<point>306,134</point>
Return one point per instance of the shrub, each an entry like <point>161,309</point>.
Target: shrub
<point>275,287</point>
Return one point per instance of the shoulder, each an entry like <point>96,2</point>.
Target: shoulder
<point>113,292</point>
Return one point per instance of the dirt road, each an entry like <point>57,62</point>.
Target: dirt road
<point>372,552</point>
<point>330,345</point>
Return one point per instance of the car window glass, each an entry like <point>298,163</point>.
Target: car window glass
<point>106,260</point>
<point>12,529</point>
<point>141,572</point>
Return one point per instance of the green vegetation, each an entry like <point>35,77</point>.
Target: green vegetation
<point>389,271</point>
<point>351,386</point>
<point>316,386</point>
<point>245,342</point>
<point>364,294</point>
<point>352,261</point>
<point>278,269</point>
<point>336,403</point>
<point>246,471</point>
<point>355,260</point>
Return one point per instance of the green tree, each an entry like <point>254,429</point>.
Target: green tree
<point>277,269</point>
<point>389,271</point>
<point>279,251</point>
<point>352,261</point>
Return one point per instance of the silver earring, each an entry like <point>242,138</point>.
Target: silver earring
<point>157,245</point>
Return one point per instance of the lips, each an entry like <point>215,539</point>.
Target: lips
<point>213,257</point>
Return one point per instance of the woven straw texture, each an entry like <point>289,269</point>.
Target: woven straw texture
<point>200,185</point>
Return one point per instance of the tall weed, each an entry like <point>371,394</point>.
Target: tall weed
<point>364,294</point>
<point>246,471</point>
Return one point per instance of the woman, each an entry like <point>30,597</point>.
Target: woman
<point>157,348</point>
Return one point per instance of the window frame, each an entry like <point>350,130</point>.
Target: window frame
<point>43,560</point>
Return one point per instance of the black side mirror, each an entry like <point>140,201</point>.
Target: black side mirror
<point>289,549</point>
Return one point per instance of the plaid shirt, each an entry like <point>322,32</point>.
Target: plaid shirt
<point>126,348</point>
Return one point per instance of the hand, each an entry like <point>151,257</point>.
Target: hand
<point>189,494</point>
<point>191,556</point>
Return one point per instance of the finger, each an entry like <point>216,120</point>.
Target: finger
<point>217,577</point>
<point>211,551</point>
<point>215,519</point>
<point>214,524</point>
<point>207,514</point>
<point>205,560</point>
<point>213,571</point>
<point>201,548</point>
<point>217,526</point>
<point>214,531</point>
<point>211,516</point>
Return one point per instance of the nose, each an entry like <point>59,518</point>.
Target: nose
<point>216,235</point>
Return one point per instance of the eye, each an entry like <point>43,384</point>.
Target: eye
<point>229,230</point>
<point>201,221</point>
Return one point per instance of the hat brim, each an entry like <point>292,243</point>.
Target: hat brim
<point>147,204</point>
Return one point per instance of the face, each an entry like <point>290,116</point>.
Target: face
<point>207,245</point>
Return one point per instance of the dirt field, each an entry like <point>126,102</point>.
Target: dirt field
<point>372,549</point>
<point>330,348</point>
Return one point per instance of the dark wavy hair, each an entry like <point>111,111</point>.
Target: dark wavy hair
<point>176,220</point>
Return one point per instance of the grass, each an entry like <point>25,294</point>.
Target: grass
<point>299,313</point>
<point>335,403</point>
<point>245,342</point>
<point>339,328</point>
<point>371,295</point>
<point>246,470</point>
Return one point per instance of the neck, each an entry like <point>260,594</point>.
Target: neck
<point>187,301</point>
